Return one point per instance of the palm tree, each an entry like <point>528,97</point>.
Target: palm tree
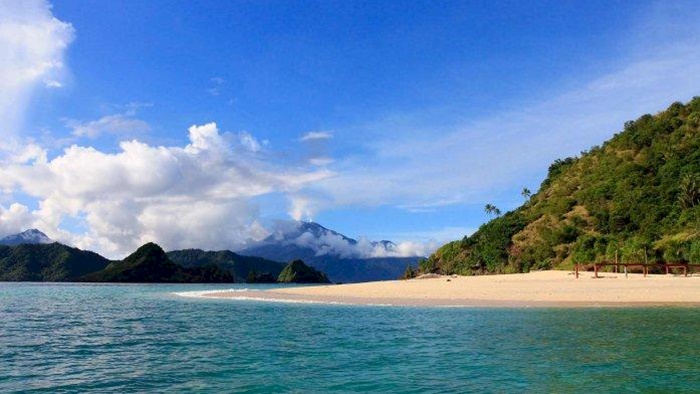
<point>491,209</point>
<point>526,193</point>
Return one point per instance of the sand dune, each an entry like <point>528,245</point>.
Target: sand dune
<point>536,289</point>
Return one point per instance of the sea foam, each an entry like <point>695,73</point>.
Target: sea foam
<point>203,293</point>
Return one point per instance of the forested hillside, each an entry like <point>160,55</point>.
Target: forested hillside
<point>239,266</point>
<point>636,197</point>
<point>150,264</point>
<point>47,262</point>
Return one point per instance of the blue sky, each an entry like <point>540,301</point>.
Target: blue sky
<point>422,112</point>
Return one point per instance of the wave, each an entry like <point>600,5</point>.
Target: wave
<point>219,295</point>
<point>212,294</point>
<point>203,293</point>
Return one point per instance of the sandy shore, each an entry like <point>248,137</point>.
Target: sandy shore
<point>536,289</point>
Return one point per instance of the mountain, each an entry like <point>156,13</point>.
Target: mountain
<point>32,236</point>
<point>298,272</point>
<point>342,258</point>
<point>47,262</point>
<point>239,266</point>
<point>636,198</point>
<point>150,264</point>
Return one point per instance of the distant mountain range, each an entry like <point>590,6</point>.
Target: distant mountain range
<point>239,266</point>
<point>32,256</point>
<point>150,264</point>
<point>342,258</point>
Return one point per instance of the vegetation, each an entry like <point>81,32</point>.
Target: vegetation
<point>47,262</point>
<point>298,272</point>
<point>410,273</point>
<point>635,198</point>
<point>239,266</point>
<point>491,209</point>
<point>150,264</point>
<point>265,277</point>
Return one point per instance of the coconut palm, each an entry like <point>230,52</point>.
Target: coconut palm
<point>491,209</point>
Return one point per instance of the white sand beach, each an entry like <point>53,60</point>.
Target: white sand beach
<point>536,289</point>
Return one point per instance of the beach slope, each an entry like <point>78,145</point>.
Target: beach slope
<point>535,289</point>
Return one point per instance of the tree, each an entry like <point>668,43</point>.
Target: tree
<point>251,276</point>
<point>689,191</point>
<point>410,273</point>
<point>694,253</point>
<point>491,209</point>
<point>526,193</point>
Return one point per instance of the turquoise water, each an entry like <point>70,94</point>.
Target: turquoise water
<point>127,338</point>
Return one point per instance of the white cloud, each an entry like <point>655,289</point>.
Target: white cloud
<point>193,196</point>
<point>111,124</point>
<point>32,50</point>
<point>316,135</point>
<point>14,219</point>
<point>321,161</point>
<point>124,124</point>
<point>50,83</point>
<point>249,142</point>
<point>302,208</point>
<point>29,153</point>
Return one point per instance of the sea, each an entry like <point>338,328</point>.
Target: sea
<point>76,338</point>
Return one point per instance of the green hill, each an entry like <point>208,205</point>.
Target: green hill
<point>298,272</point>
<point>47,263</point>
<point>150,264</point>
<point>636,197</point>
<point>239,266</point>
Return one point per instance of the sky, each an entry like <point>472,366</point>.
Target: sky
<point>202,124</point>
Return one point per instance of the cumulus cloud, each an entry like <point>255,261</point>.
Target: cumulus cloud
<point>316,135</point>
<point>198,195</point>
<point>14,219</point>
<point>32,49</point>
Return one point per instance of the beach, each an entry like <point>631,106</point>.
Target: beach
<point>535,289</point>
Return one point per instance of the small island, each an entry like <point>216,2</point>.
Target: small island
<point>298,272</point>
<point>294,272</point>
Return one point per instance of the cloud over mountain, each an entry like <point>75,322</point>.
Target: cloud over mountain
<point>325,242</point>
<point>196,195</point>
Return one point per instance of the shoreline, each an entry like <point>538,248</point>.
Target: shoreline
<point>541,289</point>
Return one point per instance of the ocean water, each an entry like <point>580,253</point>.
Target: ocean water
<point>143,338</point>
